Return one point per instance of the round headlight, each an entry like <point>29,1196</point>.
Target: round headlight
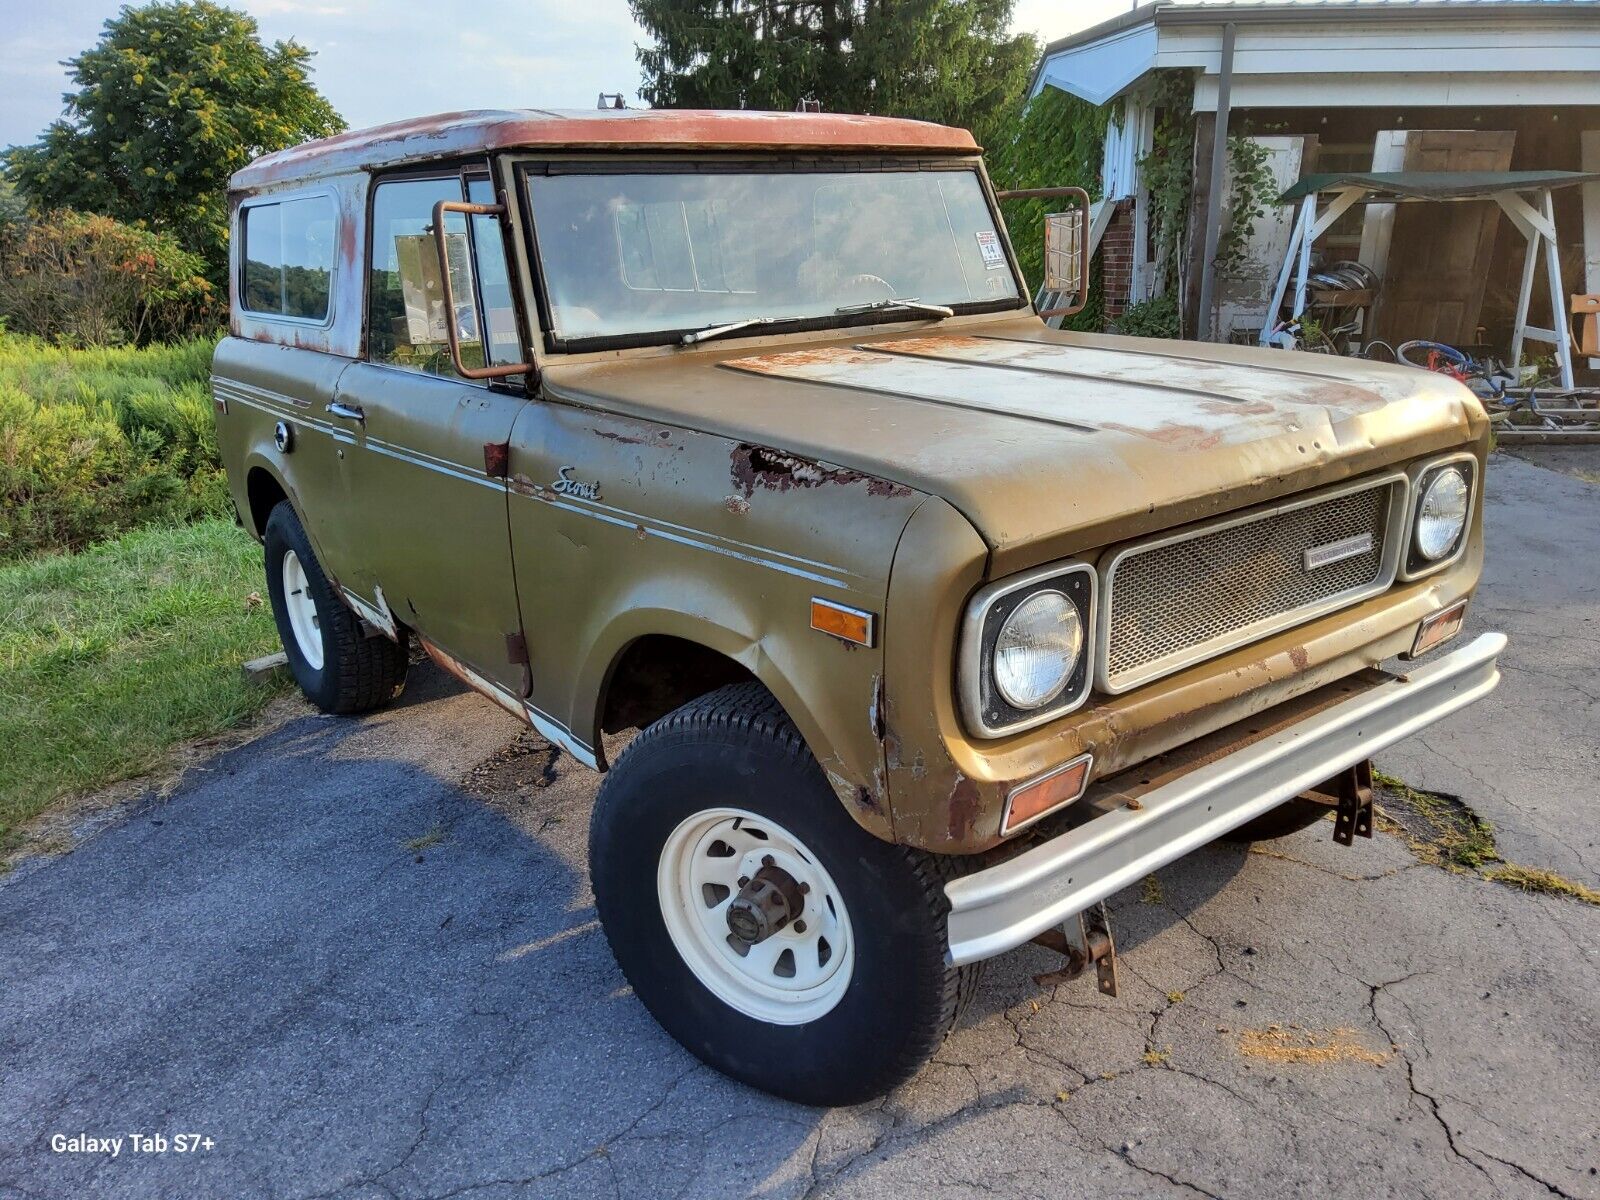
<point>1442,515</point>
<point>1037,649</point>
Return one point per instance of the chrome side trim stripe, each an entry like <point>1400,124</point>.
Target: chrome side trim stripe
<point>997,909</point>
<point>803,568</point>
<point>543,723</point>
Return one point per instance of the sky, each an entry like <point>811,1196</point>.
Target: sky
<point>381,60</point>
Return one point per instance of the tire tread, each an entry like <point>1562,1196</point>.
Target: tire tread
<point>750,710</point>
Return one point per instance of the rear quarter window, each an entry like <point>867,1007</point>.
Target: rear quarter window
<point>286,257</point>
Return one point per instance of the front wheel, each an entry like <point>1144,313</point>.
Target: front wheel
<point>338,667</point>
<point>759,924</point>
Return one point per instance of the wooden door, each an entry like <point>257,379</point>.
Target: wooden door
<point>1439,253</point>
<point>1244,294</point>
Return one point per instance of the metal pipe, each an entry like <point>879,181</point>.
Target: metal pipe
<point>1204,320</point>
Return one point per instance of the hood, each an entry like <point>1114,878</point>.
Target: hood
<point>1050,442</point>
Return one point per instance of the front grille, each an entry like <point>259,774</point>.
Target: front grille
<point>1186,597</point>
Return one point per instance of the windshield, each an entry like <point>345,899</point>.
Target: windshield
<point>633,255</point>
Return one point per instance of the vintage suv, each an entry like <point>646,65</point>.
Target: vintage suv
<point>940,625</point>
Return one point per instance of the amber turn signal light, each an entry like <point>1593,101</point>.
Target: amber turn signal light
<point>849,624</point>
<point>1440,627</point>
<point>1033,800</point>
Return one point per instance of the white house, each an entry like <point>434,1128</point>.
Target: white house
<point>1376,85</point>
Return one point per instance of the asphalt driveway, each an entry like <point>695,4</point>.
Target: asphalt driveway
<point>360,958</point>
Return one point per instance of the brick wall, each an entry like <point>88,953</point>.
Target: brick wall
<point>1116,259</point>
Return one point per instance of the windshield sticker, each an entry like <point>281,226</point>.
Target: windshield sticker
<point>989,246</point>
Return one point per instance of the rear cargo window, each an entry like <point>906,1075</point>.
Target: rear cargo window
<point>288,257</point>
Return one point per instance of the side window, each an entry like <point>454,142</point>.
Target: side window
<point>405,296</point>
<point>288,257</point>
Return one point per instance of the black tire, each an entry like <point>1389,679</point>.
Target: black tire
<point>358,672</point>
<point>1289,817</point>
<point>736,747</point>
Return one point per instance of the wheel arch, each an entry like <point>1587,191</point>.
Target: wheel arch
<point>680,657</point>
<point>264,491</point>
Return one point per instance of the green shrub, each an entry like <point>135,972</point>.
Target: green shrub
<point>83,280</point>
<point>1156,317</point>
<point>96,442</point>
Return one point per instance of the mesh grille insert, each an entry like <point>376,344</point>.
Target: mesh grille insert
<point>1171,604</point>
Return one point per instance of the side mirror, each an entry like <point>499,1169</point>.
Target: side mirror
<point>449,266</point>
<point>1066,250</point>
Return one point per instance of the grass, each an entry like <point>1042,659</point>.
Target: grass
<point>1441,829</point>
<point>111,657</point>
<point>426,841</point>
<point>1444,831</point>
<point>1535,879</point>
<point>94,443</point>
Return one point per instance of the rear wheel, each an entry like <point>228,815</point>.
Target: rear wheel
<point>760,925</point>
<point>338,667</point>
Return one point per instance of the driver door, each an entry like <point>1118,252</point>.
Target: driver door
<point>433,518</point>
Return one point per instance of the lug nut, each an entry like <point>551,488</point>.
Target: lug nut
<point>799,926</point>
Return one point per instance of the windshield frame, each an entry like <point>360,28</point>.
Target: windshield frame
<point>775,163</point>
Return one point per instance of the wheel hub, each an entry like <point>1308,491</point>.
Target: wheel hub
<point>755,916</point>
<point>766,903</point>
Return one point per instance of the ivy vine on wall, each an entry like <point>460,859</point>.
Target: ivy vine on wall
<point>1056,140</point>
<point>1167,170</point>
<point>1251,188</point>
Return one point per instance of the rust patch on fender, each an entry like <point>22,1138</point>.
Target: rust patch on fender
<point>1298,655</point>
<point>772,470</point>
<point>965,805</point>
<point>737,505</point>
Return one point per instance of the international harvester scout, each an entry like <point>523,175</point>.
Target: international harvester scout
<point>937,625</point>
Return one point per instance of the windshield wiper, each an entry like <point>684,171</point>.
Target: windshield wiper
<point>911,302</point>
<point>716,331</point>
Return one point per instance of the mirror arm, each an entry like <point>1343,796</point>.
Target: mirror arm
<point>451,333</point>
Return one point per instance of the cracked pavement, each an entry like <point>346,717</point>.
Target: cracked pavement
<point>261,959</point>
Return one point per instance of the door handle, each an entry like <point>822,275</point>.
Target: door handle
<point>347,412</point>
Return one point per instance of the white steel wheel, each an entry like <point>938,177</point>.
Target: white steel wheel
<point>792,976</point>
<point>301,609</point>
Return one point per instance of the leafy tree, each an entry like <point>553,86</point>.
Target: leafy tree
<point>1055,140</point>
<point>951,61</point>
<point>173,99</point>
<point>13,209</point>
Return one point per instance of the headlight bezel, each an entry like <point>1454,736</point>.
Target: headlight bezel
<point>1413,564</point>
<point>985,712</point>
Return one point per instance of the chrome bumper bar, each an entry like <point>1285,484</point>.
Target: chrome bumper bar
<point>1001,907</point>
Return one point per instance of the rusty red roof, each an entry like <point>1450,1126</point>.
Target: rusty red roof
<point>452,134</point>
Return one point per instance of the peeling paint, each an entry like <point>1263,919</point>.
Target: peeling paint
<point>964,808</point>
<point>627,439</point>
<point>524,486</point>
<point>772,470</point>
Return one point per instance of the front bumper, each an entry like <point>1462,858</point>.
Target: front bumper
<point>1195,794</point>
